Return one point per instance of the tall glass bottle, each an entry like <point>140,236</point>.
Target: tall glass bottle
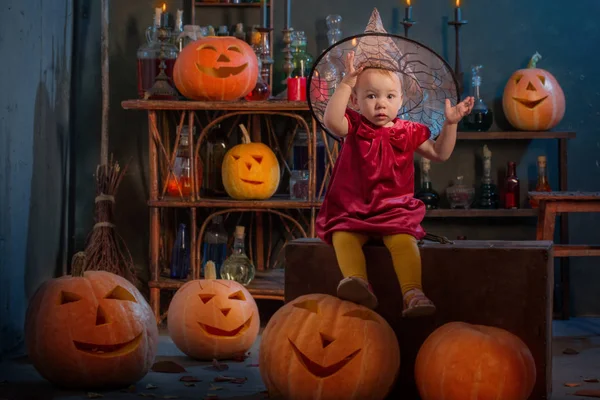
<point>299,53</point>
<point>512,190</point>
<point>214,246</point>
<point>481,117</point>
<point>180,255</point>
<point>213,150</point>
<point>238,267</point>
<point>542,184</point>
<point>182,179</point>
<point>488,193</point>
<point>426,193</point>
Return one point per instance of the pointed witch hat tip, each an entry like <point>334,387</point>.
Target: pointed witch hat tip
<point>375,24</point>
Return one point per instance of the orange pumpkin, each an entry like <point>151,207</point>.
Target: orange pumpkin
<point>476,362</point>
<point>90,330</point>
<point>216,68</point>
<point>533,100</point>
<point>213,318</point>
<point>250,171</point>
<point>321,347</point>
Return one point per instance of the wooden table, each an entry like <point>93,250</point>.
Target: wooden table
<point>552,204</point>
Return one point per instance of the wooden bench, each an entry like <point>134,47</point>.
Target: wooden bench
<point>552,204</point>
<point>499,283</point>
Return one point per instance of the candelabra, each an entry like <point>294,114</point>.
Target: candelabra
<point>162,87</point>
<point>288,65</point>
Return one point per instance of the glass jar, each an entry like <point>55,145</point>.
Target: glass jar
<point>300,55</point>
<point>299,185</point>
<point>158,45</point>
<point>299,159</point>
<point>460,195</point>
<point>213,151</point>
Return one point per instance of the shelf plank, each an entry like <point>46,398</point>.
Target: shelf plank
<point>275,203</point>
<point>242,105</point>
<point>480,213</point>
<point>515,135</point>
<point>219,4</point>
<point>561,196</point>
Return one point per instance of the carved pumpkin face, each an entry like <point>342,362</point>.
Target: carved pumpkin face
<point>213,318</point>
<point>321,347</point>
<point>91,331</point>
<point>476,361</point>
<point>533,100</point>
<point>250,171</point>
<point>216,68</point>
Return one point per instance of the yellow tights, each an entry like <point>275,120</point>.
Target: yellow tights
<point>403,249</point>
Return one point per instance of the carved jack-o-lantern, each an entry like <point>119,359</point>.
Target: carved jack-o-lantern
<point>250,170</point>
<point>476,361</point>
<point>213,318</point>
<point>321,347</point>
<point>216,68</point>
<point>533,100</point>
<point>92,330</point>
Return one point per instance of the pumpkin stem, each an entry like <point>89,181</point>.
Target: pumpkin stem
<point>78,264</point>
<point>210,271</point>
<point>245,134</point>
<point>534,60</point>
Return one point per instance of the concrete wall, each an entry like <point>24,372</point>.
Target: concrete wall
<point>35,38</point>
<point>501,35</point>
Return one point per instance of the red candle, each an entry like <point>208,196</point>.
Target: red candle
<point>296,89</point>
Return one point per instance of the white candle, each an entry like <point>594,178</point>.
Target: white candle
<point>157,14</point>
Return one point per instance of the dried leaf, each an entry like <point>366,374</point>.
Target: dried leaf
<point>591,380</point>
<point>240,357</point>
<point>252,365</point>
<point>189,384</point>
<point>169,367</point>
<point>92,395</point>
<point>188,378</point>
<point>231,379</point>
<point>219,366</point>
<point>588,393</point>
<point>570,351</point>
<point>151,386</point>
<point>214,388</point>
<point>572,384</point>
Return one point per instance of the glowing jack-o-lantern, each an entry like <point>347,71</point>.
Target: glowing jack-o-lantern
<point>476,362</point>
<point>533,100</point>
<point>321,347</point>
<point>250,171</point>
<point>90,330</point>
<point>213,318</point>
<point>216,68</point>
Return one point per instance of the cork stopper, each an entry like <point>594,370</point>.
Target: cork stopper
<point>425,163</point>
<point>239,231</point>
<point>541,161</point>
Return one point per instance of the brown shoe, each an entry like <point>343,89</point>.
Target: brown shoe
<point>357,290</point>
<point>416,304</point>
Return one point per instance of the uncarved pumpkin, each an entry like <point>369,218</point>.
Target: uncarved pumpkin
<point>533,100</point>
<point>319,347</point>
<point>90,330</point>
<point>476,362</point>
<point>213,318</point>
<point>250,171</point>
<point>216,68</point>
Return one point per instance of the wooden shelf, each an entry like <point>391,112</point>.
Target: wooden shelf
<point>516,135</point>
<point>480,213</point>
<point>274,202</point>
<point>266,284</point>
<point>242,105</point>
<point>218,4</point>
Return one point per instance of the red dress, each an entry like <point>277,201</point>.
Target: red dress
<point>371,190</point>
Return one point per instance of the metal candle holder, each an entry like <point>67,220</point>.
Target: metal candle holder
<point>162,86</point>
<point>407,24</point>
<point>288,65</point>
<point>458,22</point>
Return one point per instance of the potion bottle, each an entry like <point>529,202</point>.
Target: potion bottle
<point>261,90</point>
<point>300,57</point>
<point>180,255</point>
<point>488,192</point>
<point>329,70</point>
<point>481,117</point>
<point>238,267</point>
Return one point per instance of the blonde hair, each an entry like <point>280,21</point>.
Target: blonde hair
<point>384,72</point>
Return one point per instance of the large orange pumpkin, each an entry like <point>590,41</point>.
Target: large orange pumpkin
<point>461,361</point>
<point>213,318</point>
<point>90,330</point>
<point>533,100</point>
<point>250,171</point>
<point>319,347</point>
<point>216,68</point>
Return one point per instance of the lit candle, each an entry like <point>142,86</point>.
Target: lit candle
<point>164,18</point>
<point>457,12</point>
<point>408,11</point>
<point>288,9</point>
<point>263,12</point>
<point>157,14</point>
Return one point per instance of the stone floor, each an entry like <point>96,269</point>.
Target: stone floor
<point>19,380</point>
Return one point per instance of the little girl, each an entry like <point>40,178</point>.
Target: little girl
<point>371,192</point>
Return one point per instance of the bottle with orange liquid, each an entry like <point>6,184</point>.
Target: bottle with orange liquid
<point>542,181</point>
<point>180,185</point>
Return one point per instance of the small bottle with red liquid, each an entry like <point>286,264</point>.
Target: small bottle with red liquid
<point>180,182</point>
<point>511,187</point>
<point>261,90</point>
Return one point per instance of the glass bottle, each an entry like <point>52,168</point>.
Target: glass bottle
<point>214,149</point>
<point>261,90</point>
<point>488,193</point>
<point>299,159</point>
<point>238,267</point>
<point>239,31</point>
<point>481,117</point>
<point>214,246</point>
<point>542,184</point>
<point>177,38</point>
<point>299,53</point>
<point>181,179</point>
<point>426,193</point>
<point>149,59</point>
<point>512,190</point>
<point>180,255</point>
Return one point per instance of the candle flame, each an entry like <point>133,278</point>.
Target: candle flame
<point>354,42</point>
<point>408,3</point>
<point>164,7</point>
<point>457,3</point>
<point>316,73</point>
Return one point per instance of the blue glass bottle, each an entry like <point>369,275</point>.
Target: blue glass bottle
<point>180,256</point>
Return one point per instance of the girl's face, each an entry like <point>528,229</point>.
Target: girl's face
<point>378,96</point>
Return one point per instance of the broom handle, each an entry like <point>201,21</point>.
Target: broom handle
<point>105,93</point>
